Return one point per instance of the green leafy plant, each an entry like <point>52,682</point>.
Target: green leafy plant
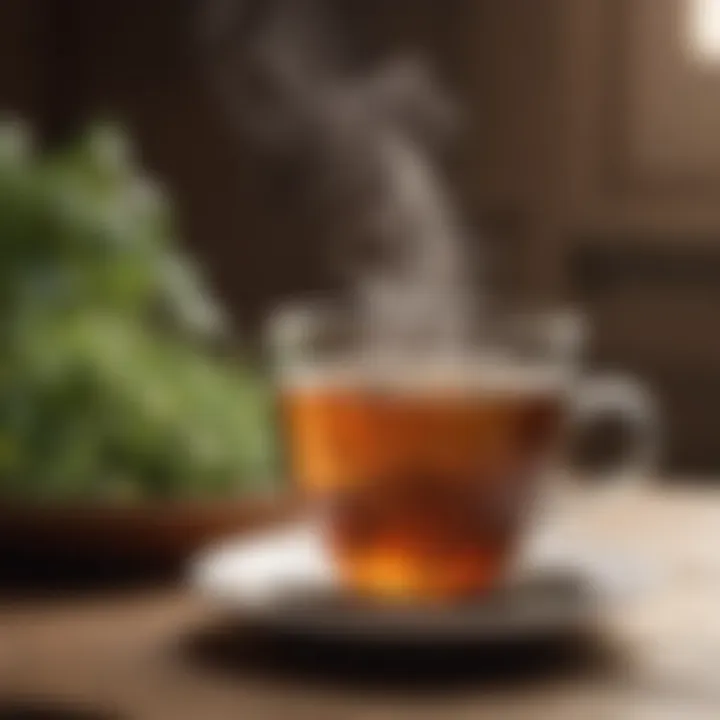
<point>109,385</point>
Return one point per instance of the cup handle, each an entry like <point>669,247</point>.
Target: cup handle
<point>626,399</point>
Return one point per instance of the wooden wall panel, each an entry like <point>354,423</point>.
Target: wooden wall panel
<point>21,67</point>
<point>642,149</point>
<point>642,226</point>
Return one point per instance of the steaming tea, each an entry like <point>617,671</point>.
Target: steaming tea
<point>426,478</point>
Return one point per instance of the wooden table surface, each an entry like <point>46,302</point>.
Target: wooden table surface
<point>165,654</point>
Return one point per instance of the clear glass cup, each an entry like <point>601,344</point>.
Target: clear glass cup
<point>427,465</point>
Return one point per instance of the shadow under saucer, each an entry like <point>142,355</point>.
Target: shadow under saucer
<point>424,650</point>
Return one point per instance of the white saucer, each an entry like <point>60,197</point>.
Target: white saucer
<point>283,581</point>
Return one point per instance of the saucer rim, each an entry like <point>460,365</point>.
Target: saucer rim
<point>276,611</point>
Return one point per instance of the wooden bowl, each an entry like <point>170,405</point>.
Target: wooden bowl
<point>49,543</point>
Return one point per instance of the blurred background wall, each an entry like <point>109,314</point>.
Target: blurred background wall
<point>590,160</point>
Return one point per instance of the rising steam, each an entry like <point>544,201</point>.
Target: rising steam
<point>367,138</point>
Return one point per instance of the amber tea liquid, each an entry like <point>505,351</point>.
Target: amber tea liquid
<point>426,479</point>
